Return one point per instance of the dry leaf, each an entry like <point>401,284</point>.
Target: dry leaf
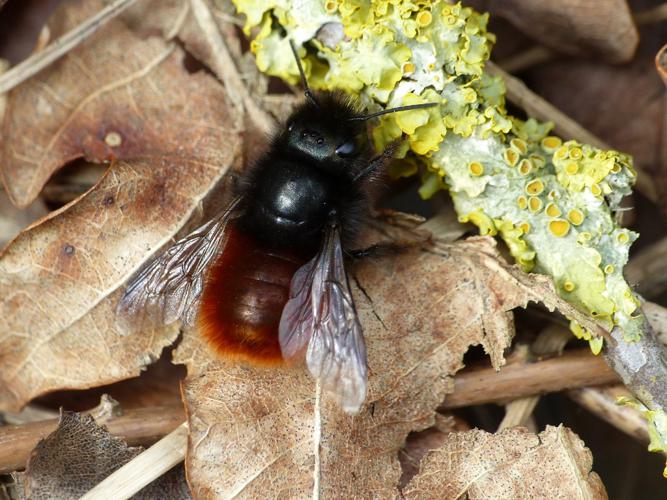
<point>13,220</point>
<point>512,464</point>
<point>256,429</point>
<point>116,96</point>
<point>595,29</point>
<point>661,63</point>
<point>79,454</point>
<point>418,444</point>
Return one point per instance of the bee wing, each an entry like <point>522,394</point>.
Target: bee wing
<point>169,287</point>
<point>321,314</point>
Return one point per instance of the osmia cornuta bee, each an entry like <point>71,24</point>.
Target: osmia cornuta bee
<point>265,279</point>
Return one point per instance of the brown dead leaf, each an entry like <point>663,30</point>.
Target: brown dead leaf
<point>209,32</point>
<point>117,97</point>
<point>604,28</point>
<point>79,454</point>
<point>512,464</point>
<point>13,220</point>
<point>58,280</point>
<point>661,63</point>
<point>256,429</point>
<point>418,444</point>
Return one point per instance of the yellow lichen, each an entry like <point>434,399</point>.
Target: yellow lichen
<point>331,6</point>
<point>519,145</point>
<point>561,153</point>
<point>482,221</point>
<point>551,143</point>
<point>518,247</point>
<point>408,51</point>
<point>575,153</point>
<point>538,161</point>
<point>572,168</point>
<point>424,18</point>
<point>511,157</point>
<point>408,68</point>
<point>525,166</point>
<point>535,204</point>
<point>559,227</point>
<point>552,210</point>
<point>535,187</point>
<point>575,216</point>
<point>596,345</point>
<point>476,168</point>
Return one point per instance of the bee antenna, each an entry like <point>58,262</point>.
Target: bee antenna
<point>307,91</point>
<point>393,110</point>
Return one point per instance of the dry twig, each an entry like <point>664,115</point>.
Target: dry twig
<point>224,67</point>
<point>652,15</point>
<point>572,370</point>
<point>144,468</point>
<point>550,341</point>
<point>602,402</point>
<point>526,59</point>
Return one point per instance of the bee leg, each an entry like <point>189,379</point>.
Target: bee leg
<point>379,250</point>
<point>362,253</point>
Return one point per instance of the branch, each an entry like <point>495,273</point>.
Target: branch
<point>574,369</point>
<point>602,403</point>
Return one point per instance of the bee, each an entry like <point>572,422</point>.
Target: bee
<point>264,281</point>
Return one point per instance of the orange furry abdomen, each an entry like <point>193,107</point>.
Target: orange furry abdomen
<point>243,299</point>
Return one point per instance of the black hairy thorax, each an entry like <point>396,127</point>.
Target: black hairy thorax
<point>313,174</point>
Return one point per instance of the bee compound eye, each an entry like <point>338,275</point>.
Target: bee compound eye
<point>346,149</point>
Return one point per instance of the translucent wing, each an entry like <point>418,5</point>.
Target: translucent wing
<point>320,313</point>
<point>169,287</point>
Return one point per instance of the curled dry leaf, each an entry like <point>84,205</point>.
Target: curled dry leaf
<point>117,96</point>
<point>255,429</point>
<point>661,63</point>
<point>79,454</point>
<point>512,464</point>
<point>595,29</point>
<point>13,220</point>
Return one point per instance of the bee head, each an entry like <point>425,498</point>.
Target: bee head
<point>325,134</point>
<point>330,131</point>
